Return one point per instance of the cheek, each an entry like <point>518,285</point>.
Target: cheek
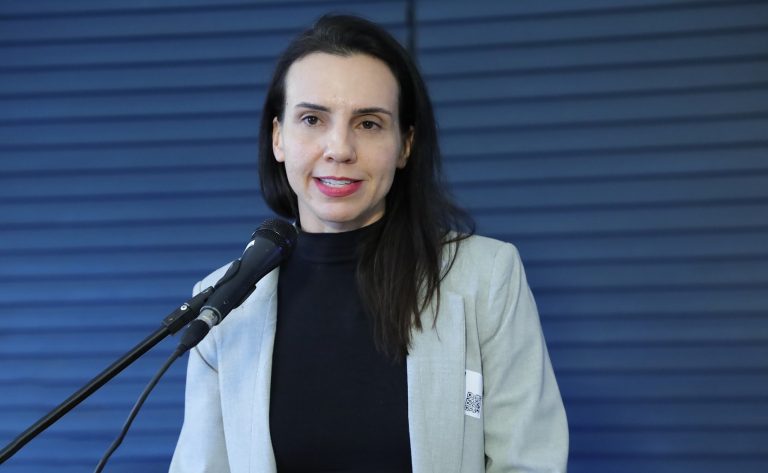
<point>295,172</point>
<point>386,173</point>
<point>298,156</point>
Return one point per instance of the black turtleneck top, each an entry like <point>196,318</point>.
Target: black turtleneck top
<point>336,404</point>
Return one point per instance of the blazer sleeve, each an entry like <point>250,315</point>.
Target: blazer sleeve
<point>201,447</point>
<point>525,423</point>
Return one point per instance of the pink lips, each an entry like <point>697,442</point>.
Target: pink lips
<point>349,187</point>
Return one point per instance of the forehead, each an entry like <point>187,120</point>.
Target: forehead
<point>326,79</point>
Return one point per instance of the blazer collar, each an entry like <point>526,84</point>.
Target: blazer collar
<point>262,456</point>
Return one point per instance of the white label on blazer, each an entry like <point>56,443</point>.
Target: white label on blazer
<point>473,400</point>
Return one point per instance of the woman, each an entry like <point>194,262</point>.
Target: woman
<point>391,340</point>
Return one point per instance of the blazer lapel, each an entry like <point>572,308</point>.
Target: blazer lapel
<point>436,384</point>
<point>262,458</point>
<point>245,378</point>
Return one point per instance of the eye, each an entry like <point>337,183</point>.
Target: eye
<point>369,125</point>
<point>310,120</point>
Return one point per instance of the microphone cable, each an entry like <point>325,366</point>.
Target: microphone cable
<point>137,406</point>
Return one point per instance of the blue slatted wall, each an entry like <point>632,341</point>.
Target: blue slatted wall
<point>620,144</point>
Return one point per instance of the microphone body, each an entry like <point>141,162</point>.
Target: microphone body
<point>270,245</point>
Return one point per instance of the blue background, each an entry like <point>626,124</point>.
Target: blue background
<point>621,145</point>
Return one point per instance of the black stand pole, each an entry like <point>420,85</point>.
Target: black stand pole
<point>171,324</point>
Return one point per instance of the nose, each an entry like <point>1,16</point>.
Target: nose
<point>340,146</point>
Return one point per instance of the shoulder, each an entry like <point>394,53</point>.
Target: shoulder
<point>480,258</point>
<point>488,274</point>
<point>478,245</point>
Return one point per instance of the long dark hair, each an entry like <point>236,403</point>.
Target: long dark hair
<point>400,265</point>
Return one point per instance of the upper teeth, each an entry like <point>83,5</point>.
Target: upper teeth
<point>335,182</point>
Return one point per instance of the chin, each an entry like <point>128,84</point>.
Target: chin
<point>346,222</point>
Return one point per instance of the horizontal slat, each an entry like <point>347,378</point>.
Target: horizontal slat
<point>649,300</point>
<point>669,330</point>
<point>181,235</point>
<point>168,160</point>
<point>121,287</point>
<point>81,369</point>
<point>104,420</point>
<point>61,444</point>
<point>49,8</point>
<point>519,168</point>
<point>152,129</point>
<point>221,85</point>
<point>686,414</point>
<point>612,193</point>
<point>644,220</point>
<point>119,463</point>
<point>105,319</point>
<point>622,358</point>
<point>237,182</point>
<point>643,247</point>
<point>677,442</point>
<point>436,11</point>
<point>699,463</point>
<point>202,209</point>
<point>678,386</point>
<point>500,113</point>
<point>49,269</point>
<point>549,85</point>
<point>605,137</point>
<point>254,48</point>
<point>44,396</point>
<point>613,53</point>
<point>51,341</point>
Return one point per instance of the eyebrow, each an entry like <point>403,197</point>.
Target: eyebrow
<point>357,111</point>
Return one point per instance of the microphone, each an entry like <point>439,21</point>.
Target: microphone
<point>271,244</point>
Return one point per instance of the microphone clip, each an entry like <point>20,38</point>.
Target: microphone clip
<point>186,312</point>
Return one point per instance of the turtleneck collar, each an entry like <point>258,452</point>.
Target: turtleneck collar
<point>332,247</point>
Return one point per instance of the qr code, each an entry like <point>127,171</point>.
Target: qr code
<point>472,403</point>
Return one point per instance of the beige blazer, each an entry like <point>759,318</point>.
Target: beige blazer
<point>487,338</point>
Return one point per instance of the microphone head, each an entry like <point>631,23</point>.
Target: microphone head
<point>280,232</point>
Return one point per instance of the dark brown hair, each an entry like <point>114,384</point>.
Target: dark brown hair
<point>399,270</point>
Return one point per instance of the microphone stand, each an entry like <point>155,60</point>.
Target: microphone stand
<point>171,324</point>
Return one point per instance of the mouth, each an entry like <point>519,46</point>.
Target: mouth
<point>336,181</point>
<point>334,187</point>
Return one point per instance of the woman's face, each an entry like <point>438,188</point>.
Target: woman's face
<point>340,139</point>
